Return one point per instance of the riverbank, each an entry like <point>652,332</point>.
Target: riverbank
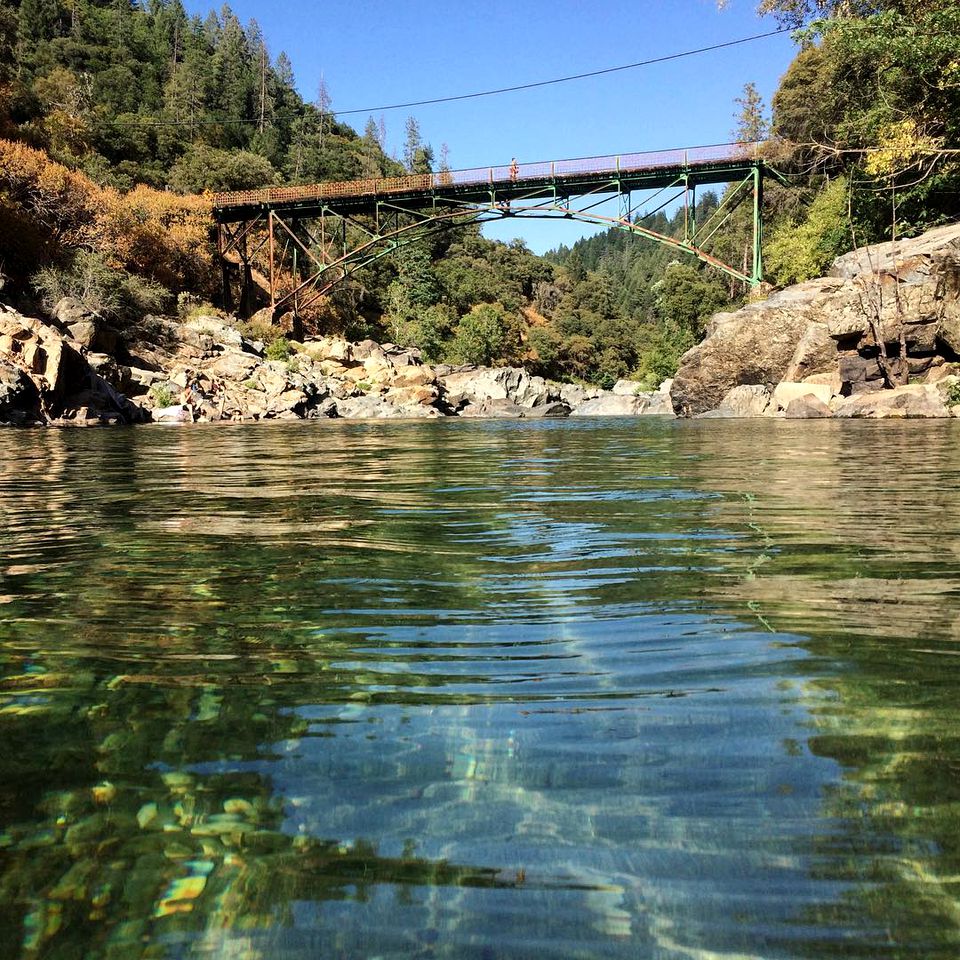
<point>73,369</point>
<point>878,337</point>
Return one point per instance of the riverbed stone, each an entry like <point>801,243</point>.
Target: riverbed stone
<point>786,392</point>
<point>610,405</point>
<point>555,409</point>
<point>654,403</point>
<point>69,310</point>
<point>493,407</point>
<point>175,414</point>
<point>234,366</point>
<point>575,394</point>
<point>17,391</point>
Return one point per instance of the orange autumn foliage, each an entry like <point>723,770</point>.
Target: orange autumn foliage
<point>155,234</point>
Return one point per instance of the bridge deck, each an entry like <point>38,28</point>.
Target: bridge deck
<point>637,171</point>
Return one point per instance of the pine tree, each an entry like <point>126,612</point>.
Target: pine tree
<point>324,107</point>
<point>235,82</point>
<point>38,22</point>
<point>412,143</point>
<point>752,124</point>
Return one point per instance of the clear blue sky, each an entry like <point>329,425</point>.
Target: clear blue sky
<point>372,53</point>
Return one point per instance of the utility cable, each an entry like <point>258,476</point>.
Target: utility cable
<point>464,96</point>
<point>577,76</point>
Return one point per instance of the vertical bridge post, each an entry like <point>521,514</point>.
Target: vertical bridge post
<point>757,275</point>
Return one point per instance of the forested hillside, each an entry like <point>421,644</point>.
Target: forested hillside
<point>133,92</point>
<point>868,115</point>
<point>123,102</point>
<point>118,114</point>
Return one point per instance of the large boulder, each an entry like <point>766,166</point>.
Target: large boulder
<point>786,392</point>
<point>376,408</point>
<point>910,402</point>
<point>815,353</point>
<point>747,400</point>
<point>499,408</point>
<point>755,346</point>
<point>19,397</point>
<point>472,385</point>
<point>46,374</point>
<point>69,311</point>
<point>612,405</point>
<point>901,300</point>
<point>575,394</point>
<point>45,355</point>
<point>807,407</point>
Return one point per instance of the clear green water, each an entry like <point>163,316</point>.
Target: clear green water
<point>483,690</point>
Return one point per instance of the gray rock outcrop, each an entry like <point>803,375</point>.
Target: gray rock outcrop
<point>47,378</point>
<point>887,316</point>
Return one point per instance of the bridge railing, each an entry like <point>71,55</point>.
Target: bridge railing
<point>503,174</point>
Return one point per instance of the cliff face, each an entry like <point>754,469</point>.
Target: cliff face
<point>887,316</point>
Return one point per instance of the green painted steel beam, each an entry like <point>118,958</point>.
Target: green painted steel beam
<point>568,185</point>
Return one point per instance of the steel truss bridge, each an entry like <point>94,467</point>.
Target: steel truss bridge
<point>313,237</point>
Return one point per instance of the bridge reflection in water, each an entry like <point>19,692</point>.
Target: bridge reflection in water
<point>309,238</point>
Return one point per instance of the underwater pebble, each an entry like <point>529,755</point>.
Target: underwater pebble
<point>146,815</point>
<point>104,792</point>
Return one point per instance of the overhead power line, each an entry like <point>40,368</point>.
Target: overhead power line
<point>468,96</point>
<point>576,76</point>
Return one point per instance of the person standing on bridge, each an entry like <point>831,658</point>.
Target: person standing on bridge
<point>514,169</point>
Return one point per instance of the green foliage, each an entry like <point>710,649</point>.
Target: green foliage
<point>207,168</point>
<point>278,349</point>
<point>752,124</point>
<point>429,329</point>
<point>802,250</point>
<point>130,92</point>
<point>161,396</point>
<point>191,307</point>
<point>114,294</point>
<point>257,328</point>
<point>659,357</point>
<point>481,335</point>
<point>876,99</point>
<point>686,297</point>
<point>951,392</point>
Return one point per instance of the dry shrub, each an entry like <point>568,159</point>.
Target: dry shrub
<point>64,203</point>
<point>158,235</point>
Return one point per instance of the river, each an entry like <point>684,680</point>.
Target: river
<point>481,690</point>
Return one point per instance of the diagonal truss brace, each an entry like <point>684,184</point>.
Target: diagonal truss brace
<point>340,244</point>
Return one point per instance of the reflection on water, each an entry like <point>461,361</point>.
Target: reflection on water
<point>448,690</point>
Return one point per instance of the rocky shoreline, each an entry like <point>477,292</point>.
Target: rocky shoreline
<point>74,370</point>
<point>879,337</point>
